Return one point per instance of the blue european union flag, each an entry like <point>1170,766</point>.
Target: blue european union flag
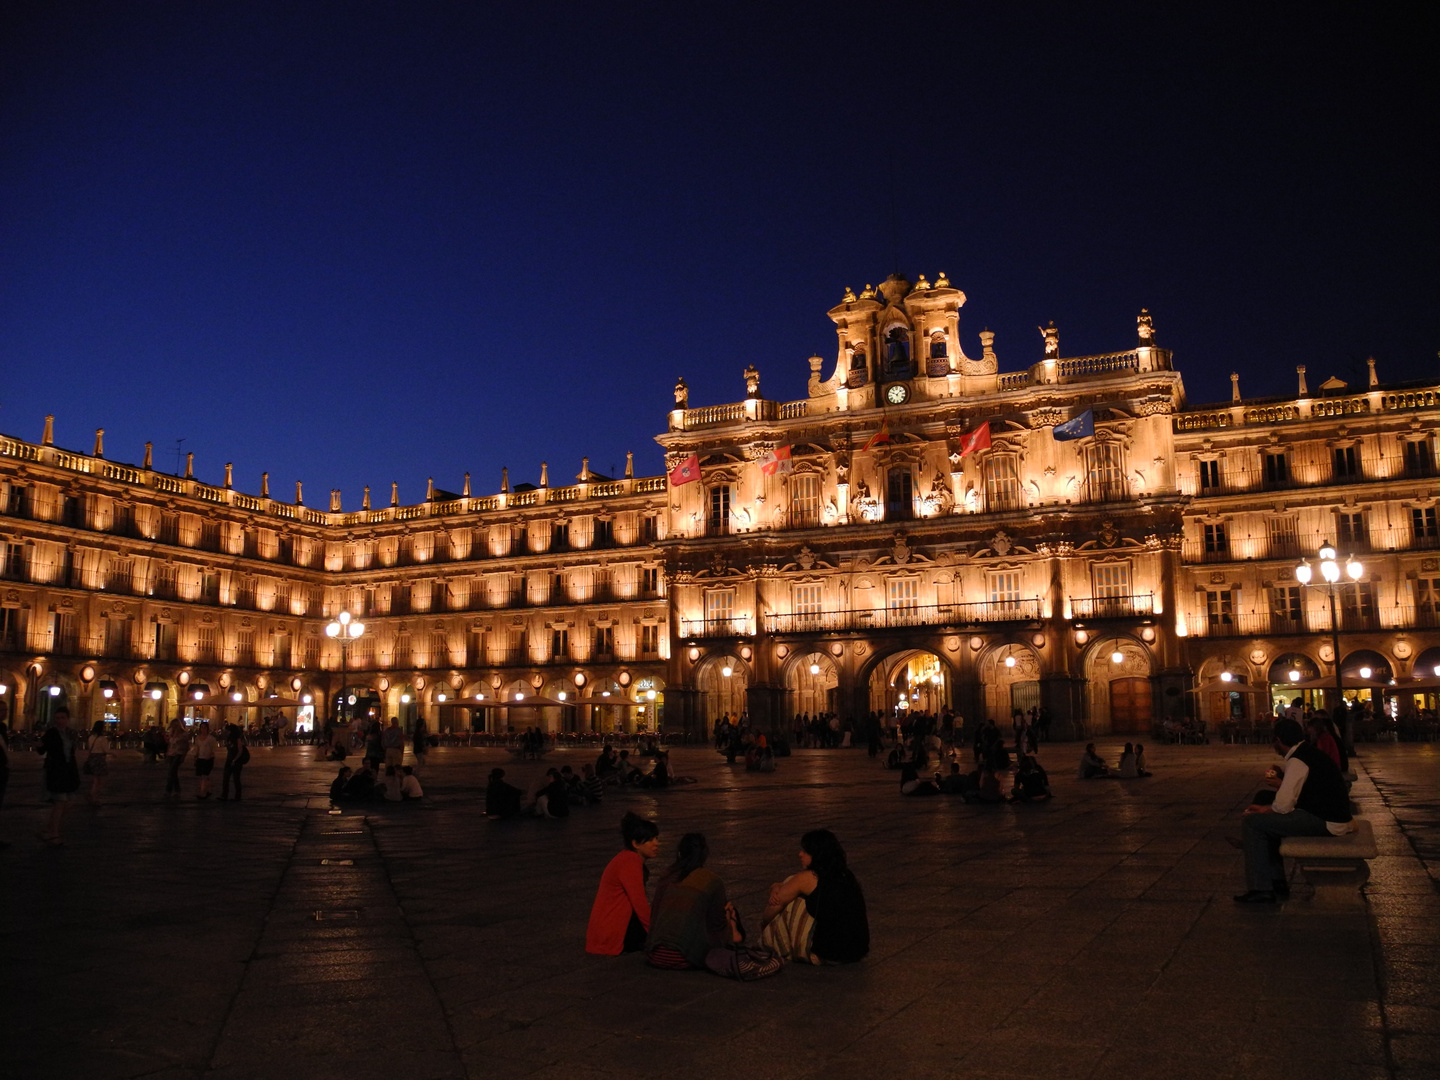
<point>1082,427</point>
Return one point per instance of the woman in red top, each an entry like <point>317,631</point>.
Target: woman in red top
<point>620,916</point>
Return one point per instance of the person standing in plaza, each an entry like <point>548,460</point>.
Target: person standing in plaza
<point>97,761</point>
<point>393,743</point>
<point>420,742</point>
<point>176,748</point>
<point>237,755</point>
<point>62,774</point>
<point>204,761</point>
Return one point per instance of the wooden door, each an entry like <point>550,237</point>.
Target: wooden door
<point>1131,703</point>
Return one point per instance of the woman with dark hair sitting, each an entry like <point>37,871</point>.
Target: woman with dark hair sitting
<point>620,916</point>
<point>911,784</point>
<point>690,915</point>
<point>1032,784</point>
<point>502,800</point>
<point>817,916</point>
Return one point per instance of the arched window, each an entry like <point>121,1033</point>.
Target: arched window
<point>897,352</point>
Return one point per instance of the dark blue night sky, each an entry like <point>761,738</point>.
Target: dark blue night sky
<point>355,243</point>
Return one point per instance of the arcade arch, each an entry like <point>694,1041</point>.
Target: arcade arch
<point>1285,671</point>
<point>1010,680</point>
<point>1122,697</point>
<point>913,679</point>
<point>812,680</point>
<point>723,680</point>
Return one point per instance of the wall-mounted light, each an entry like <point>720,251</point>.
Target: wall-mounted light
<point>1009,661</point>
<point>440,698</point>
<point>814,669</point>
<point>1365,673</point>
<point>54,691</point>
<point>727,671</point>
<point>1225,676</point>
<point>108,689</point>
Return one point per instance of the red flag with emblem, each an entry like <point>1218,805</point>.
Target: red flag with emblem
<point>979,439</point>
<point>686,471</point>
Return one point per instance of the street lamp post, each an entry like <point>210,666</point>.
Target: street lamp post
<point>346,628</point>
<point>1330,571</point>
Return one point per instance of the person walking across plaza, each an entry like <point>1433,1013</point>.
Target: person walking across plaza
<point>62,774</point>
<point>177,746</point>
<point>204,761</point>
<point>1311,801</point>
<point>620,915</point>
<point>237,756</point>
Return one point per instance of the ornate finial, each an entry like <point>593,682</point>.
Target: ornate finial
<point>682,394</point>
<point>394,493</point>
<point>229,474</point>
<point>1052,341</point>
<point>504,480</point>
<point>584,476</point>
<point>100,434</point>
<point>1374,379</point>
<point>190,465</point>
<point>752,381</point>
<point>299,493</point>
<point>334,500</point>
<point>868,293</point>
<point>922,285</point>
<point>265,485</point>
<point>48,438</point>
<point>544,474</point>
<point>1234,386</point>
<point>1300,371</point>
<point>1145,327</point>
<point>430,489</point>
<point>149,455</point>
<point>849,297</point>
<point>987,344</point>
<point>365,498</point>
<point>942,282</point>
<point>629,465</point>
<point>466,490</point>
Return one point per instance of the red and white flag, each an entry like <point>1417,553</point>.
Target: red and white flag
<point>881,436</point>
<point>777,460</point>
<point>686,471</point>
<point>979,439</point>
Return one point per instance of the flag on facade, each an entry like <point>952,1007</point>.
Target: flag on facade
<point>979,439</point>
<point>777,460</point>
<point>686,471</point>
<point>881,436</point>
<point>1082,427</point>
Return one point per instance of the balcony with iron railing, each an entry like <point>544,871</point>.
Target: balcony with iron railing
<point>1113,607</point>
<point>1314,621</point>
<point>1298,545</point>
<point>699,629</point>
<point>989,611</point>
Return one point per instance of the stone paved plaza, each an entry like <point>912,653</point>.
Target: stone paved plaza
<point>1091,937</point>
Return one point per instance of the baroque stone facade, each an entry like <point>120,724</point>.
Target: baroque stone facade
<point>912,534</point>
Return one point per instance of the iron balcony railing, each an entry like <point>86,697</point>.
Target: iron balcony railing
<point>996,611</point>
<point>1113,607</point>
<point>717,628</point>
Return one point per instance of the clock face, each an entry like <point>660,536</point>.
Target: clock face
<point>897,394</point>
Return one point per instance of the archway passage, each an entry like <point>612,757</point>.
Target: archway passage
<point>1131,706</point>
<point>813,680</point>
<point>1285,672</point>
<point>1010,678</point>
<point>1122,698</point>
<point>723,685</point>
<point>910,681</point>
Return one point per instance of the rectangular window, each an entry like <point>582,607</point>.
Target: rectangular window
<point>902,597</point>
<point>315,600</point>
<point>284,592</point>
<point>1350,531</point>
<point>899,494</point>
<point>1284,536</point>
<point>650,580</point>
<point>13,566</point>
<point>1110,579</point>
<point>719,519</point>
<point>557,588</point>
<point>560,537</point>
<point>559,644</point>
<point>280,653</point>
<point>804,501</point>
<point>1286,607</point>
<point>1427,602</point>
<point>720,610</point>
<point>64,633</point>
<point>1347,462</point>
<point>1419,461</point>
<point>210,535</point>
<point>604,533</point>
<point>400,599</point>
<point>1105,472</point>
<point>474,647</point>
<point>12,629</point>
<point>207,645</point>
<point>1002,482</point>
<point>1422,522</point>
<point>1220,608</point>
<point>1357,604</point>
<point>362,652</point>
<point>1209,475</point>
<point>1277,469</point>
<point>245,647</point>
<point>245,597</point>
<point>118,579</point>
<point>117,638</point>
<point>167,641</point>
<point>649,639</point>
<point>312,652</point>
<point>1004,586</point>
<point>807,603</point>
<point>604,641</point>
<point>649,528</point>
<point>404,654</point>
<point>210,586</point>
<point>439,649</point>
<point>1217,540</point>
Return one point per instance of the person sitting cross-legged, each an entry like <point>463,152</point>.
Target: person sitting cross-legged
<point>817,915</point>
<point>1311,801</point>
<point>1091,765</point>
<point>1031,782</point>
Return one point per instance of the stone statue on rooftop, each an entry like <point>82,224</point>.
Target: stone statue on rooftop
<point>682,394</point>
<point>752,382</point>
<point>1146,327</point>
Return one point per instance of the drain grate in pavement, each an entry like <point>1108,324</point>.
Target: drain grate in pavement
<point>336,915</point>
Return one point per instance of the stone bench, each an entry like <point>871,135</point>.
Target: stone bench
<point>1335,866</point>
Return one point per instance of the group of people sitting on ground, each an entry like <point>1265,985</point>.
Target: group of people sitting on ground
<point>363,785</point>
<point>1130,767</point>
<point>815,916</point>
<point>557,790</point>
<point>982,785</point>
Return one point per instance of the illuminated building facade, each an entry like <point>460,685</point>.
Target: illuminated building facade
<point>912,534</point>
